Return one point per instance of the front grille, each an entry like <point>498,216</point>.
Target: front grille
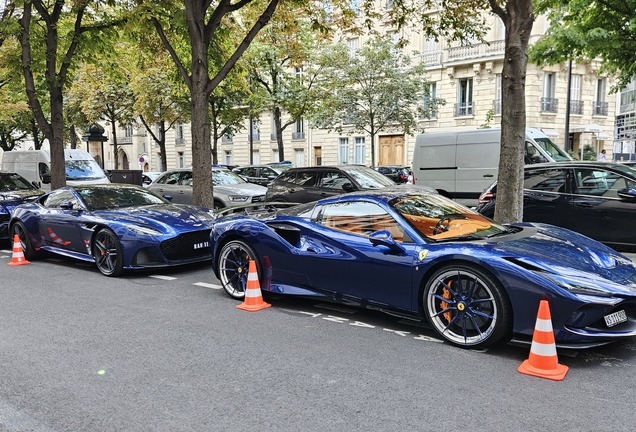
<point>259,198</point>
<point>187,246</point>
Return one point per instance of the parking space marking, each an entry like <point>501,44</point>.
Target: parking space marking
<point>168,278</point>
<point>6,251</point>
<point>208,285</point>
<point>336,308</point>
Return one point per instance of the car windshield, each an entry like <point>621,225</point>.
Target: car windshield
<point>438,218</point>
<point>14,182</point>
<point>102,198</point>
<point>368,178</point>
<point>553,150</point>
<point>78,169</point>
<point>224,177</point>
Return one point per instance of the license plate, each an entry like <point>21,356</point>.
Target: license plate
<point>615,318</point>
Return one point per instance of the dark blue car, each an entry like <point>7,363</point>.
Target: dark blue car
<point>14,190</point>
<point>117,226</point>
<point>422,256</point>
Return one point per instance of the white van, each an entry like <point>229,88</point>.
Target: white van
<point>462,164</point>
<point>35,166</point>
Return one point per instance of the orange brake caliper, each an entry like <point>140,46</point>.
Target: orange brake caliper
<point>444,305</point>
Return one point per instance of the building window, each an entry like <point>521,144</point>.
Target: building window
<point>464,105</point>
<point>256,136</point>
<point>179,137</point>
<point>389,4</point>
<point>429,105</point>
<point>359,151</point>
<point>496,103</point>
<point>576,104</point>
<point>600,105</point>
<point>355,6</point>
<point>227,138</point>
<point>129,131</point>
<point>501,29</point>
<point>275,155</point>
<point>343,151</point>
<point>228,157</point>
<point>628,98</point>
<point>299,157</point>
<point>353,45</point>
<point>549,103</point>
<point>256,157</point>
<point>299,129</point>
<point>181,159</point>
<point>299,73</point>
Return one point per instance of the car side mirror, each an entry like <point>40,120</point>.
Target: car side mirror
<point>46,178</point>
<point>627,194</point>
<point>383,238</point>
<point>66,205</point>
<point>168,197</point>
<point>347,187</point>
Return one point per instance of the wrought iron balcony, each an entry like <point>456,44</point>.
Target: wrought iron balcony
<point>179,141</point>
<point>576,107</point>
<point>496,106</point>
<point>599,108</point>
<point>549,105</point>
<point>298,135</point>
<point>464,109</point>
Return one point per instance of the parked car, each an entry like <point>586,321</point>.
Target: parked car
<point>422,256</point>
<point>597,199</point>
<point>117,226</point>
<point>14,190</point>
<point>397,173</point>
<point>308,184</point>
<point>229,188</point>
<point>260,174</point>
<point>148,176</point>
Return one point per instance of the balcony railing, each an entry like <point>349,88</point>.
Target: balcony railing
<point>124,140</point>
<point>179,141</point>
<point>549,105</point>
<point>464,109</point>
<point>457,54</point>
<point>496,106</point>
<point>599,108</point>
<point>298,135</point>
<point>576,107</point>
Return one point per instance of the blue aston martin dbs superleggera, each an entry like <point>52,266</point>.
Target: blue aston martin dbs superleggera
<point>421,255</point>
<point>115,225</point>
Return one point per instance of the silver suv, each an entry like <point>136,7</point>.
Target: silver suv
<point>229,189</point>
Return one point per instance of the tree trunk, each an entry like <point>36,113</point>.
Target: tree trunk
<point>56,141</point>
<point>162,145</point>
<point>518,19</point>
<point>113,128</point>
<point>72,136</point>
<point>278,124</point>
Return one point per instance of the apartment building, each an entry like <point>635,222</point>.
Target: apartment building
<point>467,77</point>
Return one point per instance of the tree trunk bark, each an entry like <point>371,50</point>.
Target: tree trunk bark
<point>518,18</point>
<point>278,123</point>
<point>113,128</point>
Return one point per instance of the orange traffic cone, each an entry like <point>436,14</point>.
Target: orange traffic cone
<point>543,362</point>
<point>18,254</point>
<point>253,297</point>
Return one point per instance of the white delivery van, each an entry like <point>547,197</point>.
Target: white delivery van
<point>462,164</point>
<point>35,166</point>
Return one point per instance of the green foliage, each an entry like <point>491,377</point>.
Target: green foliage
<point>490,115</point>
<point>587,30</point>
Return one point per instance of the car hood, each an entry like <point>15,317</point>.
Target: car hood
<point>568,253</point>
<point>250,189</point>
<point>170,216</point>
<point>11,199</point>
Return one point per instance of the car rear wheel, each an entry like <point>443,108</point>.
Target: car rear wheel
<point>234,265</point>
<point>107,253</point>
<point>25,242</point>
<point>466,306</point>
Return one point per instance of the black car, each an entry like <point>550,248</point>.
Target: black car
<point>597,199</point>
<point>14,190</point>
<point>309,184</point>
<point>260,174</point>
<point>397,173</point>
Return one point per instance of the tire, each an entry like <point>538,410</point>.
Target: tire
<point>218,205</point>
<point>107,253</point>
<point>466,306</point>
<point>27,248</point>
<point>233,267</point>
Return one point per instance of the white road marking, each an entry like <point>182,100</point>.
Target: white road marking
<point>428,339</point>
<point>401,333</point>
<point>208,285</point>
<point>334,319</point>
<point>313,315</point>
<point>169,278</point>
<point>361,324</point>
<point>6,251</point>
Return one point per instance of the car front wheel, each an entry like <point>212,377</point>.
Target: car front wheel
<point>234,264</point>
<point>107,253</point>
<point>466,306</point>
<point>25,242</point>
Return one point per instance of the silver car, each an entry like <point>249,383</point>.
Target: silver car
<point>229,188</point>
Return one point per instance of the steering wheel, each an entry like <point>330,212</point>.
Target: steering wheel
<point>440,228</point>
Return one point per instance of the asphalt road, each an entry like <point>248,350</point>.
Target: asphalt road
<point>169,351</point>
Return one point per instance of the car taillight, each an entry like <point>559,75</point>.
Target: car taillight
<point>486,197</point>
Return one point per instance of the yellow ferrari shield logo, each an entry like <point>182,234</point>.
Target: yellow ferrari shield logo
<point>422,254</point>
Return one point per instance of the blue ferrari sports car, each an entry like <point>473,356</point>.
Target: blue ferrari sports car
<point>117,226</point>
<point>422,256</point>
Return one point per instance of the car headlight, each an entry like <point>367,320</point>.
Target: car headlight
<point>238,198</point>
<point>577,286</point>
<point>144,230</point>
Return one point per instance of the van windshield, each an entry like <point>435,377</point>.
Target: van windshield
<point>77,169</point>
<point>553,150</point>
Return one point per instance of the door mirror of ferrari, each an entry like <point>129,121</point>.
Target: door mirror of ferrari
<point>383,238</point>
<point>347,187</point>
<point>66,205</point>
<point>627,194</point>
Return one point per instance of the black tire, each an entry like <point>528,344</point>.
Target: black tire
<point>107,253</point>
<point>233,267</point>
<point>27,248</point>
<point>466,306</point>
<point>218,205</point>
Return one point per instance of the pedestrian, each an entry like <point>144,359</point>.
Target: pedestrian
<point>601,156</point>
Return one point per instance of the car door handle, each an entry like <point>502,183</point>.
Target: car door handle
<point>488,175</point>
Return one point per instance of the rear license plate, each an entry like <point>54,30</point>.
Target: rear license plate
<point>615,318</point>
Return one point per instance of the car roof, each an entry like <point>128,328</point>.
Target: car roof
<point>328,167</point>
